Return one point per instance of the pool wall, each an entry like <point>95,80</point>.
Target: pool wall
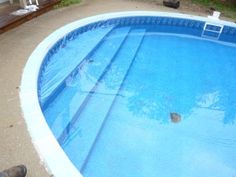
<point>47,146</point>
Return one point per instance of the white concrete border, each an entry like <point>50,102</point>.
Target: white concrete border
<point>50,152</point>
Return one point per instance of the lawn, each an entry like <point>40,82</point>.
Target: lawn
<point>64,3</point>
<point>226,7</point>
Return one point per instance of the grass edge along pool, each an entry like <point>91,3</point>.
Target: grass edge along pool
<point>48,148</point>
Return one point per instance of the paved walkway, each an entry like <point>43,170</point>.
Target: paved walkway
<point>15,48</point>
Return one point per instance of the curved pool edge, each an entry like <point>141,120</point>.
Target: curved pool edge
<point>50,152</point>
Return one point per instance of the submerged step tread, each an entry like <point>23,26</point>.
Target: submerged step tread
<point>76,94</point>
<point>61,65</point>
<point>84,131</point>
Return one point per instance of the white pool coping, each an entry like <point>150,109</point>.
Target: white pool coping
<point>50,152</point>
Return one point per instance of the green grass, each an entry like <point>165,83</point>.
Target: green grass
<point>65,3</point>
<point>228,9</point>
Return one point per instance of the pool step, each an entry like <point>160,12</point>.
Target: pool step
<point>212,31</point>
<point>82,84</point>
<point>57,70</point>
<point>83,133</point>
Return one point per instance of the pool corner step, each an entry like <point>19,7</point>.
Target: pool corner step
<point>49,90</point>
<point>68,115</point>
<point>86,130</point>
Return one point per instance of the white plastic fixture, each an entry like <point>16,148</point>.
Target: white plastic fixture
<point>215,15</point>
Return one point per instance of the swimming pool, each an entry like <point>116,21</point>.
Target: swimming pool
<point>107,89</point>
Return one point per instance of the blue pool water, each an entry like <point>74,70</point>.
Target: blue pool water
<point>107,97</point>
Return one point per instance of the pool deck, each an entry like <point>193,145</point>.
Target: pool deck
<point>16,46</point>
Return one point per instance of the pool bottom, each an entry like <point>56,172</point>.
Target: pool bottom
<point>192,77</point>
<point>139,139</point>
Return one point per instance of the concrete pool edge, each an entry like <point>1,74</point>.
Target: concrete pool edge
<point>47,147</point>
